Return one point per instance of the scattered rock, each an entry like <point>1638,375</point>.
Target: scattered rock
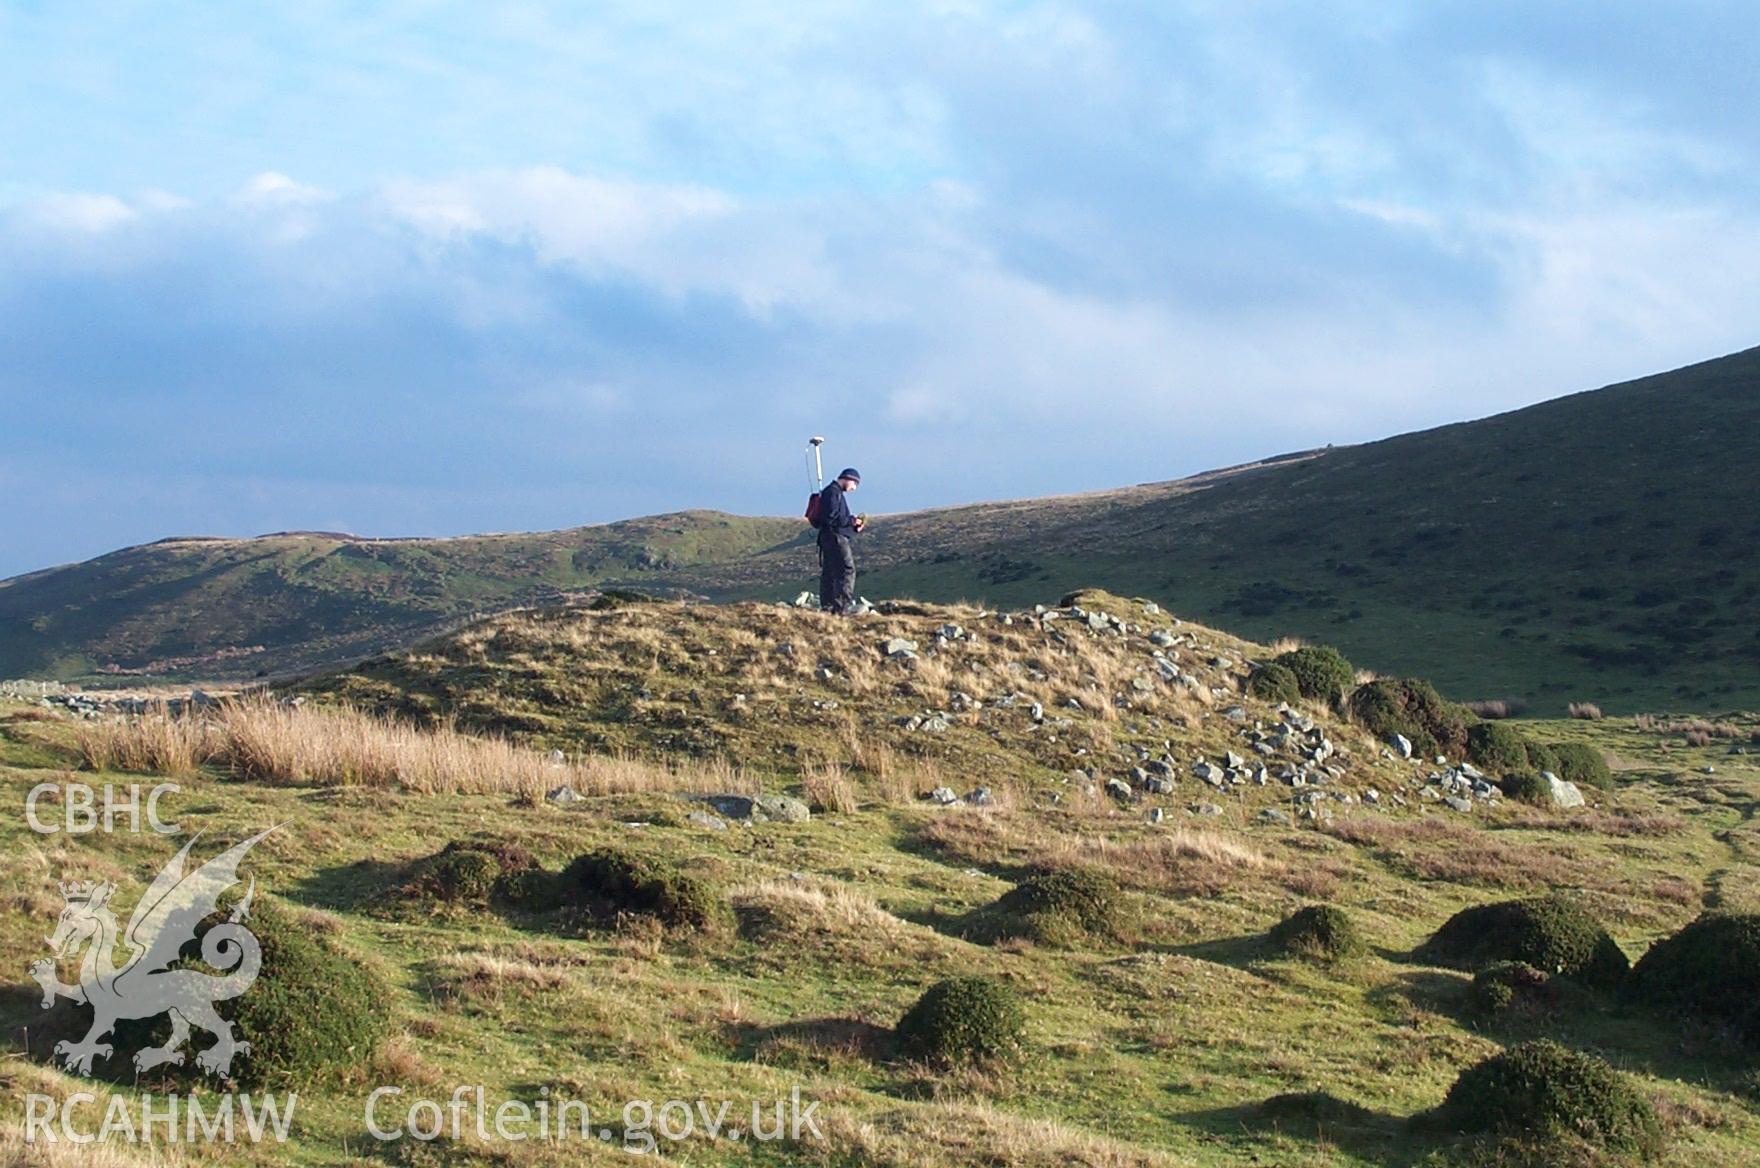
<point>564,796</point>
<point>944,796</point>
<point>705,820</point>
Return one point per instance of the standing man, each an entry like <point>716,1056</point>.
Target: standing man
<point>837,561</point>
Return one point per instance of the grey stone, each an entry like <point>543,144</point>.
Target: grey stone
<point>1402,745</point>
<point>1119,790</point>
<point>705,820</point>
<point>944,796</point>
<point>1457,803</point>
<point>564,796</point>
<point>1206,809</point>
<point>1156,815</point>
<point>782,808</point>
<point>981,797</point>
<point>1275,815</point>
<point>1562,793</point>
<point>1161,637</point>
<point>898,647</point>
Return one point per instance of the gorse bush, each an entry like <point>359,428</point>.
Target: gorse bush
<point>1064,907</point>
<point>1319,932</point>
<point>1581,763</point>
<point>312,1014</point>
<point>604,883</point>
<point>1497,747</point>
<point>1542,757</point>
<point>476,872</point>
<point>1274,683</point>
<point>964,1020</point>
<point>1546,1090</point>
<point>1321,672</point>
<point>1710,969</point>
<point>465,874</point>
<point>1412,707</point>
<point>1527,787</point>
<point>1511,987</point>
<point>1550,933</point>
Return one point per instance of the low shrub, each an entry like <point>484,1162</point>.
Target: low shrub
<point>1321,672</point>
<point>1588,711</point>
<point>1274,683</point>
<point>1062,908</point>
<point>1319,932</point>
<point>1546,1090</point>
<point>1412,707</point>
<point>1497,747</point>
<point>1542,757</point>
<point>1527,787</point>
<point>605,883</point>
<point>964,1020</point>
<point>475,872</point>
<point>1710,969</point>
<point>1514,988</point>
<point>465,874</point>
<point>1552,933</point>
<point>1582,764</point>
<point>312,1014</point>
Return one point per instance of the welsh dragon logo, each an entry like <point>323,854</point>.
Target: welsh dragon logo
<point>145,985</point>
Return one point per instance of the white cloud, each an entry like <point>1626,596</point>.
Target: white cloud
<point>77,213</point>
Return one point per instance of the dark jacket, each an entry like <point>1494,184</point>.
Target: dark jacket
<point>835,518</point>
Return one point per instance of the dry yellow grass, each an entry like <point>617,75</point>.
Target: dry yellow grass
<point>827,788</point>
<point>826,904</point>
<point>264,741</point>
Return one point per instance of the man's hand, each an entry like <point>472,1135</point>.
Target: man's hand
<point>860,523</point>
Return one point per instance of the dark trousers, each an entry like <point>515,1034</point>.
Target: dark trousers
<point>837,574</point>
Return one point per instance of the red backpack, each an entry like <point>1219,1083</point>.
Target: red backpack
<point>815,503</point>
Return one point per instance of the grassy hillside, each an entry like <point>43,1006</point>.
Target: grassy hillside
<point>1176,1032</point>
<point>225,608</point>
<point>1601,547</point>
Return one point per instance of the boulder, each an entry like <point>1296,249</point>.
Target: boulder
<point>1561,792</point>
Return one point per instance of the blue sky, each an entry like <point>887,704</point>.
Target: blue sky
<point>432,269</point>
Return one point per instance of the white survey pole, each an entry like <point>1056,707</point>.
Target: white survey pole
<point>814,444</point>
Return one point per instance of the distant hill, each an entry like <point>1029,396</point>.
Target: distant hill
<point>222,608</point>
<point>1603,546</point>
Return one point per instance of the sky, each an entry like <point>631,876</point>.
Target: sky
<point>430,269</point>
